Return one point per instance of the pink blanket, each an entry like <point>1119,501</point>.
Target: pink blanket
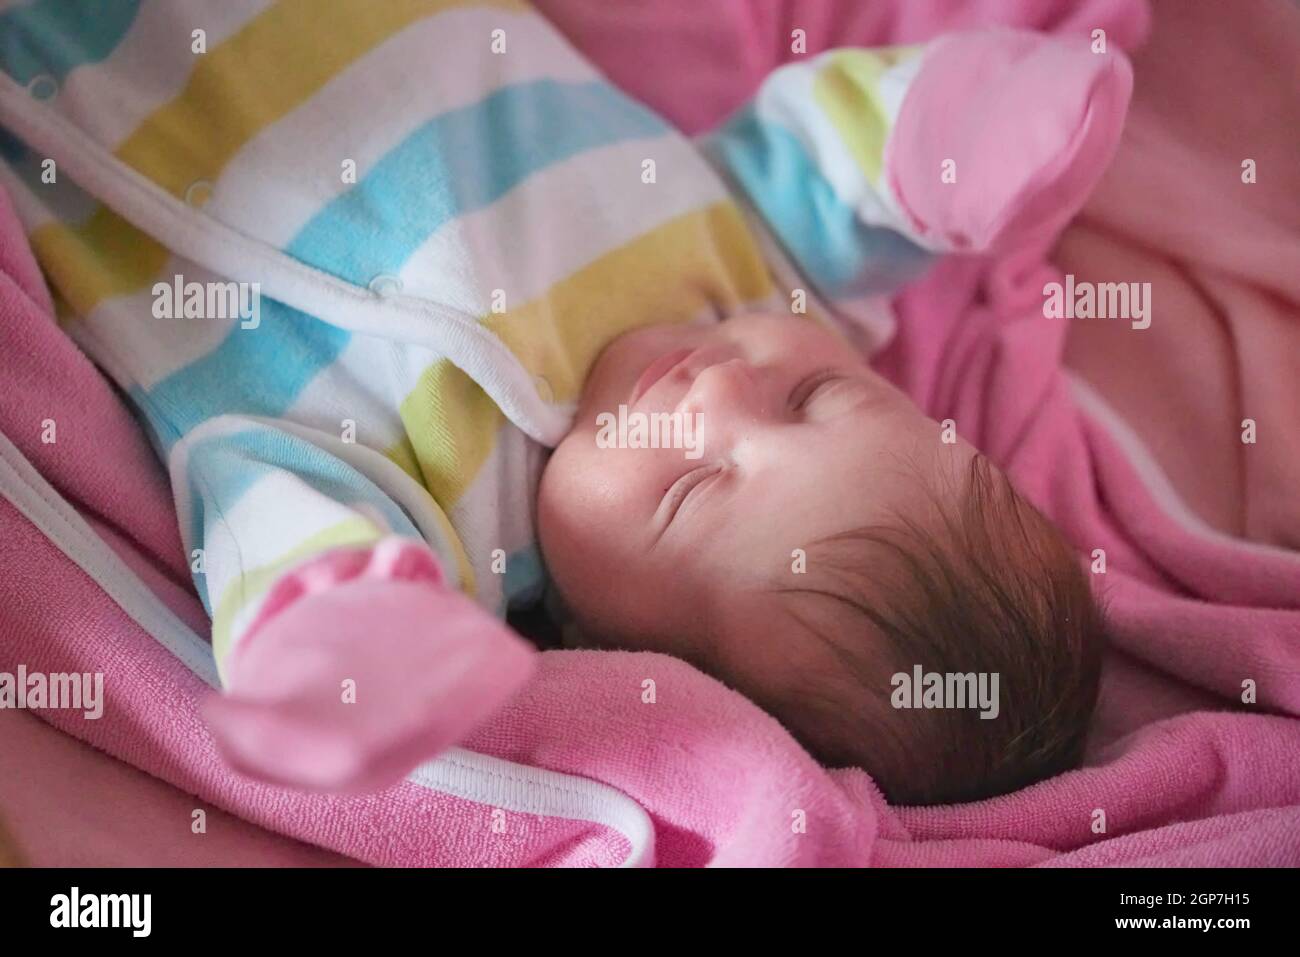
<point>1181,771</point>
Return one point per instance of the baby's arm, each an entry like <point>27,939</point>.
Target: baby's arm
<point>867,163</point>
<point>346,649</point>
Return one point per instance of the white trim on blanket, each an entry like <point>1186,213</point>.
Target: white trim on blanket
<point>463,774</point>
<point>38,502</point>
<point>1157,483</point>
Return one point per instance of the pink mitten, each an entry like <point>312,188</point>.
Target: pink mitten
<point>1029,123</point>
<point>361,664</point>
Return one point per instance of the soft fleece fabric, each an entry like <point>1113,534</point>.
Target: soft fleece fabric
<point>1183,781</point>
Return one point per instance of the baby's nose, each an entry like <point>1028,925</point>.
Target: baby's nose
<point>724,389</point>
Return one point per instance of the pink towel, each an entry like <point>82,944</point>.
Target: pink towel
<point>1180,771</point>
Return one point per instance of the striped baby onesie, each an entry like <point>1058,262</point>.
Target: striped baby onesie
<point>448,213</point>
<point>440,214</point>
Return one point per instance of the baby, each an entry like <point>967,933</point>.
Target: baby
<point>918,553</point>
<point>459,245</point>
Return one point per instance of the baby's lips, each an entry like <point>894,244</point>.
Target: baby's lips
<point>656,370</point>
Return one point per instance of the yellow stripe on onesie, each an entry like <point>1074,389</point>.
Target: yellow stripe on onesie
<point>503,182</point>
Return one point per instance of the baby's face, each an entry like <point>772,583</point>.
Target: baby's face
<point>675,549</point>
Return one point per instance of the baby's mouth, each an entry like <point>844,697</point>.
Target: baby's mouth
<point>656,370</point>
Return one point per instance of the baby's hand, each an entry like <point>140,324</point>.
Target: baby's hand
<point>1003,134</point>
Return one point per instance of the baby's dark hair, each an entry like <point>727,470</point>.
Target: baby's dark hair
<point>990,586</point>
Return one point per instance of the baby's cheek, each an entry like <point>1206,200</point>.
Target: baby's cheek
<point>578,514</point>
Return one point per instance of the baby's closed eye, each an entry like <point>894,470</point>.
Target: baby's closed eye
<point>677,494</point>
